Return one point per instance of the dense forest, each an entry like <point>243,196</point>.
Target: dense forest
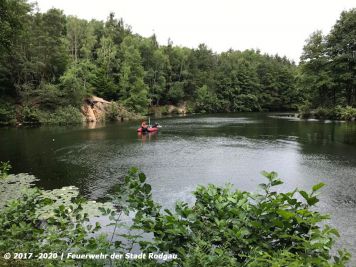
<point>327,71</point>
<point>50,62</point>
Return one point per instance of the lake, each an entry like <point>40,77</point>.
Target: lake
<point>197,149</point>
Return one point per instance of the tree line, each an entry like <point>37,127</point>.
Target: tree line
<point>50,60</point>
<point>328,65</point>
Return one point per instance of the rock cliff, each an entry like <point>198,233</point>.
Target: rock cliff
<point>94,109</point>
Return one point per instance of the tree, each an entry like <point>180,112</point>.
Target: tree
<point>202,63</point>
<point>105,78</point>
<point>77,81</point>
<point>155,63</point>
<point>133,90</point>
<point>205,101</point>
<point>81,38</point>
<point>14,17</point>
<point>12,20</point>
<point>315,80</point>
<point>341,48</point>
<point>237,83</point>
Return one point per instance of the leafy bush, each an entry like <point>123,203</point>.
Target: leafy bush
<point>62,116</point>
<point>345,113</point>
<point>65,228</point>
<point>228,227</point>
<point>206,101</point>
<point>224,227</point>
<point>76,82</point>
<point>7,114</point>
<point>49,96</point>
<point>113,112</point>
<point>321,113</point>
<point>176,92</point>
<point>4,169</point>
<point>305,110</point>
<point>30,115</point>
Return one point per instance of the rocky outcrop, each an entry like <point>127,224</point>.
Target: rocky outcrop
<point>94,109</point>
<point>181,108</point>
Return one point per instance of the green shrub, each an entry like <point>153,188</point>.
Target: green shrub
<point>164,110</point>
<point>305,110</point>
<point>30,115</point>
<point>324,113</point>
<point>206,101</point>
<point>113,112</point>
<point>45,222</point>
<point>345,113</point>
<point>62,116</point>
<point>5,167</point>
<point>224,227</point>
<point>7,114</point>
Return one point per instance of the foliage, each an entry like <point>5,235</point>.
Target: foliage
<point>7,114</point>
<point>206,101</point>
<point>13,186</point>
<point>4,169</point>
<point>57,60</point>
<point>76,82</point>
<point>328,65</point>
<point>112,111</point>
<point>224,227</point>
<point>66,228</point>
<point>176,92</point>
<point>347,113</point>
<point>233,228</point>
<point>62,116</point>
<point>11,14</point>
<point>335,113</point>
<point>133,90</point>
<point>30,115</point>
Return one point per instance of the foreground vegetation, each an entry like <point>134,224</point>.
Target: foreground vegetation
<point>224,227</point>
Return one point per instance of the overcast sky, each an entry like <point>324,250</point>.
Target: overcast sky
<point>273,26</point>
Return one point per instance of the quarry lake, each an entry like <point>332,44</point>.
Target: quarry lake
<point>193,150</point>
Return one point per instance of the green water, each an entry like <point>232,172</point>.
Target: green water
<point>197,150</point>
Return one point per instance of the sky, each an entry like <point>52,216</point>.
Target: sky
<point>273,26</point>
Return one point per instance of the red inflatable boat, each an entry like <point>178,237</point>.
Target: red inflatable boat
<point>151,129</point>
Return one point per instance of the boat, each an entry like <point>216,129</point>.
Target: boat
<point>150,129</point>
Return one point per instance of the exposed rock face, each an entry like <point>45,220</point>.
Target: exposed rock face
<point>180,109</point>
<point>94,109</point>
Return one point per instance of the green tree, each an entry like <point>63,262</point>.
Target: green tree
<point>341,48</point>
<point>133,90</point>
<point>107,61</point>
<point>77,81</point>
<point>237,83</point>
<point>81,38</point>
<point>316,81</point>
<point>12,13</point>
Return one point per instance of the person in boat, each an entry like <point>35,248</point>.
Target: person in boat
<point>144,127</point>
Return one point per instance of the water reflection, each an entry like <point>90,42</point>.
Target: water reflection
<point>147,137</point>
